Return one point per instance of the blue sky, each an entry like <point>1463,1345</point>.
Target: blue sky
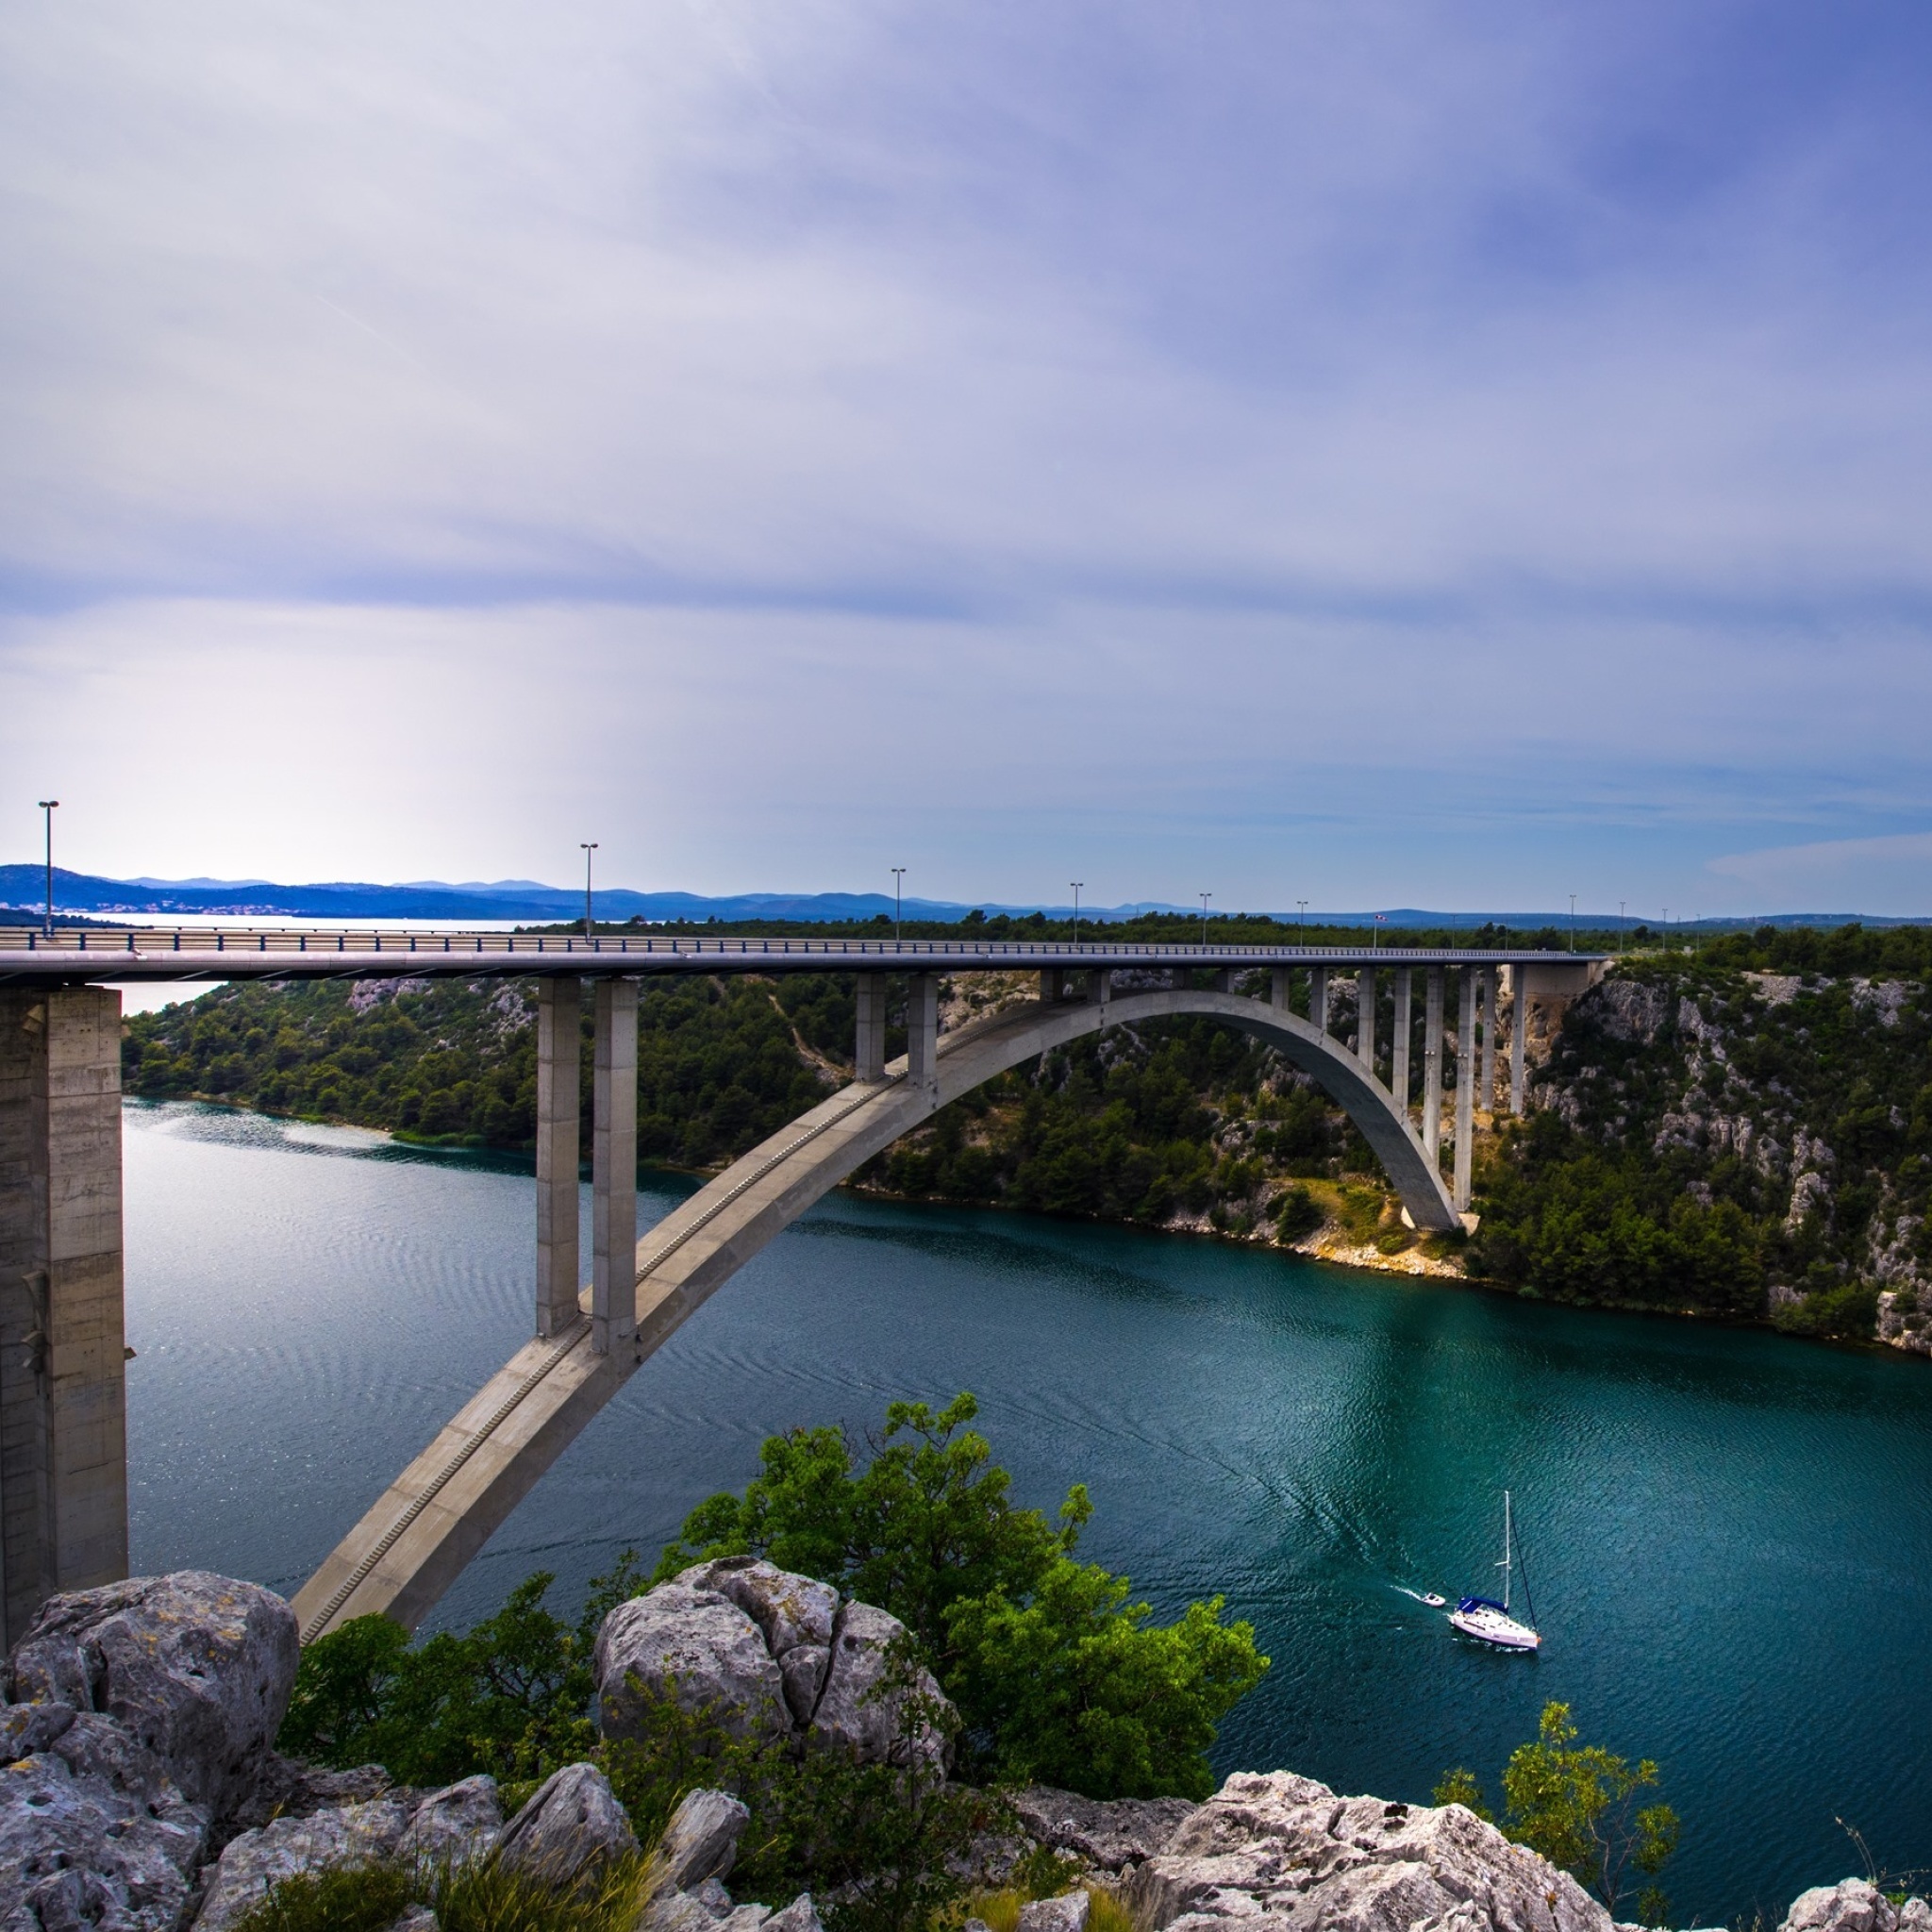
<point>1448,454</point>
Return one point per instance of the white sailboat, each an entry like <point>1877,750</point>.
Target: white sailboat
<point>1483,1617</point>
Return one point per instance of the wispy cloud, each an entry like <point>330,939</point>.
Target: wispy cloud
<point>1501,418</point>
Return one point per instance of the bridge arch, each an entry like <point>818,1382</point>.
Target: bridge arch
<point>440,1511</point>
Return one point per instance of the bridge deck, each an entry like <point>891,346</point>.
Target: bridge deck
<point>78,956</point>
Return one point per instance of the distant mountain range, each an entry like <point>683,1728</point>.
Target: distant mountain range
<point>22,889</point>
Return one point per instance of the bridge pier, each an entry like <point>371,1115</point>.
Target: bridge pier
<point>1053,985</point>
<point>560,1101</point>
<point>1432,1066</point>
<point>1099,986</point>
<point>869,1054</point>
<point>1519,1040</point>
<point>614,1167</point>
<point>1487,1087</point>
<point>1465,1088</point>
<point>63,1427</point>
<point>1365,1017</point>
<point>923,1029</point>
<point>1399,1045</point>
<point>1279,977</point>
<point>1318,998</point>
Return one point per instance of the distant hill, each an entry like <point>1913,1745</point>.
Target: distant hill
<point>23,887</point>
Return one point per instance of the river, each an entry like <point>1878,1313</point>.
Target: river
<point>1729,1534</point>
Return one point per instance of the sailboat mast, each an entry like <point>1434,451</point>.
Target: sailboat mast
<point>1506,1549</point>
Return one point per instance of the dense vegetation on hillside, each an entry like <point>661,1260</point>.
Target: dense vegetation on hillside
<point>1725,1142</point>
<point>1700,1139</point>
<point>719,1061</point>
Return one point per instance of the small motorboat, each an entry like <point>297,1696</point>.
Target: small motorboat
<point>1484,1618</point>
<point>1434,1601</point>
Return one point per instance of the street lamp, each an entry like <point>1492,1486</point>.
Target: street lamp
<point>47,806</point>
<point>898,880</point>
<point>1573,922</point>
<point>1303,916</point>
<point>588,849</point>
<point>1621,904</point>
<point>1205,897</point>
<point>1077,884</point>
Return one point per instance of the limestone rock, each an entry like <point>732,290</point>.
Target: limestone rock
<point>858,1712</point>
<point>286,1787</point>
<point>1854,1905</point>
<point>789,1610</point>
<point>93,1830</point>
<point>803,1667</point>
<point>714,1898</point>
<point>355,1834</point>
<point>198,1667</point>
<point>801,1915</point>
<point>455,1826</point>
<point>417,1918</point>
<point>677,1911</point>
<point>701,1839</point>
<point>698,1644</point>
<point>1067,1914</point>
<point>1289,1853</point>
<point>572,1823</point>
<point>1106,1834</point>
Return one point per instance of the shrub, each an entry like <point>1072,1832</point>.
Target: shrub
<point>1579,1807</point>
<point>1296,1214</point>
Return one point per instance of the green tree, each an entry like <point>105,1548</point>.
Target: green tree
<point>1580,1806</point>
<point>1056,1673</point>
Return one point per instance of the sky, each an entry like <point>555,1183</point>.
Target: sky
<point>1447,455</point>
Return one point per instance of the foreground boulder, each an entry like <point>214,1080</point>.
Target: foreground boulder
<point>356,1834</point>
<point>572,1826</point>
<point>770,1655</point>
<point>93,1832</point>
<point>1278,1851</point>
<point>199,1667</point>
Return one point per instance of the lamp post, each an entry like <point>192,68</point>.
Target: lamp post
<point>47,806</point>
<point>1205,897</point>
<point>1077,884</point>
<point>1375,935</point>
<point>1621,904</point>
<point>1573,922</point>
<point>1301,917</point>
<point>588,849</point>
<point>898,881</point>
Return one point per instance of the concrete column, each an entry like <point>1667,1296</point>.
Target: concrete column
<point>1432,1065</point>
<point>1365,1017</point>
<point>870,1052</point>
<point>1519,1039</point>
<point>63,1428</point>
<point>1398,1072</point>
<point>1052,980</point>
<point>614,1167</point>
<point>1223,979</point>
<point>923,1029</point>
<point>559,1100</point>
<point>1318,998</point>
<point>1099,985</point>
<point>1277,989</point>
<point>1465,1088</point>
<point>1486,1088</point>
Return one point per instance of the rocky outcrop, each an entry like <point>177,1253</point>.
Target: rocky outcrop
<point>694,1853</point>
<point>1854,1905</point>
<point>199,1667</point>
<point>1104,1835</point>
<point>1284,1854</point>
<point>773,1656</point>
<point>93,1829</point>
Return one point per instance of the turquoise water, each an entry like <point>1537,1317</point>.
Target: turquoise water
<point>1729,1534</point>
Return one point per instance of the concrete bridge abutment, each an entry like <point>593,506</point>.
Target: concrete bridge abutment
<point>63,1423</point>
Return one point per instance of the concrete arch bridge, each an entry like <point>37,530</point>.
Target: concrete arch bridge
<point>62,1476</point>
